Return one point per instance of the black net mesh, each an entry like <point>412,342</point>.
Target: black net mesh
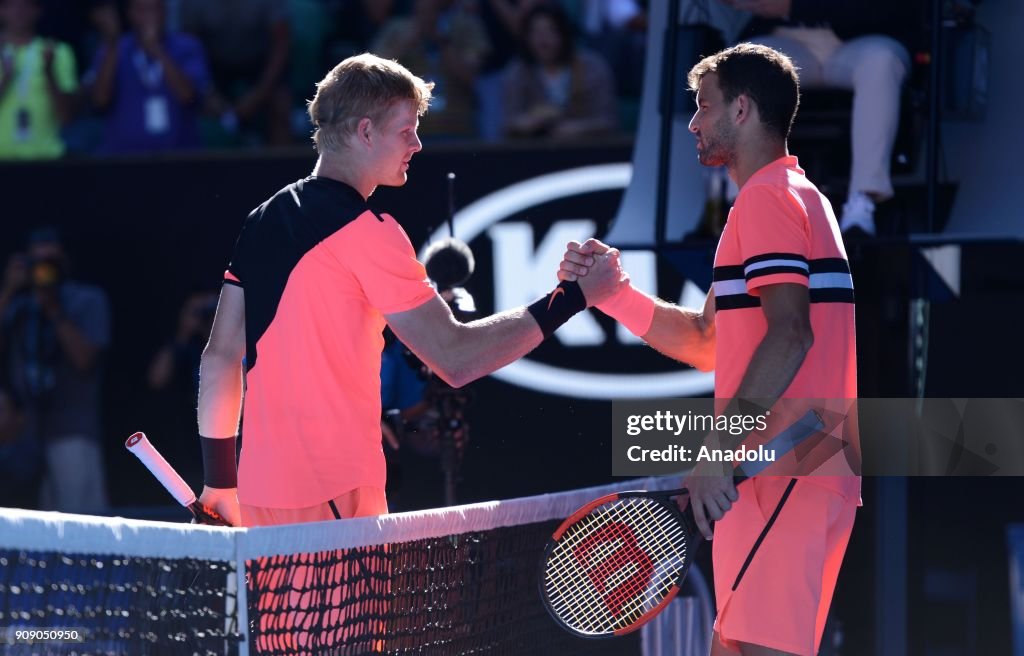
<point>141,588</point>
<point>121,605</point>
<point>473,593</point>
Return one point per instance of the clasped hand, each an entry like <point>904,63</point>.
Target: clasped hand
<point>596,267</point>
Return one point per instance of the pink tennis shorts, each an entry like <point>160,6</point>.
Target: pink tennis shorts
<point>360,502</point>
<point>782,600</point>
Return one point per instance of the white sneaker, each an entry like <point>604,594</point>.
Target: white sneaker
<point>858,212</point>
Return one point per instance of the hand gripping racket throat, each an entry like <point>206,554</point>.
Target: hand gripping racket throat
<point>172,482</point>
<point>619,560</point>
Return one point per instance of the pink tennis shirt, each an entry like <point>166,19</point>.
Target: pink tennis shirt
<point>319,270</point>
<point>781,229</point>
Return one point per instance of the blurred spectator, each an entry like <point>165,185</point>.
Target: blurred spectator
<point>21,456</point>
<point>617,30</point>
<point>37,85</point>
<point>55,331</point>
<point>150,82</point>
<point>445,42</point>
<point>247,42</point>
<point>503,20</point>
<point>179,359</point>
<point>173,380</point>
<point>861,46</point>
<point>69,22</point>
<point>556,89</point>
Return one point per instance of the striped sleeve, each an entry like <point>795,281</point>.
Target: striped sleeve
<point>774,238</point>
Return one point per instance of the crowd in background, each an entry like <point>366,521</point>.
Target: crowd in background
<point>129,76</point>
<point>101,77</point>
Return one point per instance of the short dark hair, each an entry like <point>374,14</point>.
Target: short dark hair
<point>766,75</point>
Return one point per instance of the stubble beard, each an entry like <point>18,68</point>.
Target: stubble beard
<point>719,147</point>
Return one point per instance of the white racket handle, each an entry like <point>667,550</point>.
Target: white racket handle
<point>155,463</point>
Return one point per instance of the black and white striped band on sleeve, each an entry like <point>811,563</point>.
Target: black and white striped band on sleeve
<point>770,264</point>
<point>829,279</point>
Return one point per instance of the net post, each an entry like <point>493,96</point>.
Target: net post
<point>241,595</point>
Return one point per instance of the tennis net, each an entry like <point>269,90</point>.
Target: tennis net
<point>461,580</point>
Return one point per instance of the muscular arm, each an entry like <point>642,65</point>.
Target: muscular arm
<point>461,353</point>
<point>680,333</point>
<point>220,370</point>
<point>220,390</point>
<point>778,357</point>
<point>772,368</point>
<point>684,334</point>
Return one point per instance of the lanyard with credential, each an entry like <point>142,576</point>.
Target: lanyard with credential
<point>150,73</point>
<point>156,112</point>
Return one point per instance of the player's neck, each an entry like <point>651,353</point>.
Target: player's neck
<point>333,168</point>
<point>751,160</point>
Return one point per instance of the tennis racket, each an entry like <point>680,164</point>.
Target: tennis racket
<point>172,482</point>
<point>619,560</point>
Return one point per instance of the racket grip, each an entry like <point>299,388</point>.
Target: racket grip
<point>783,443</point>
<point>160,468</point>
<point>205,515</point>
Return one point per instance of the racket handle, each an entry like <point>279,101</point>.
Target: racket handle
<point>781,444</point>
<point>205,515</point>
<point>160,468</point>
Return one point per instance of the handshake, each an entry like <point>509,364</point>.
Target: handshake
<point>596,267</point>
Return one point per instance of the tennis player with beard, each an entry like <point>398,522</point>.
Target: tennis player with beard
<point>777,323</point>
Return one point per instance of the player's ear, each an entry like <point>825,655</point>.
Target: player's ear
<point>363,130</point>
<point>742,108</point>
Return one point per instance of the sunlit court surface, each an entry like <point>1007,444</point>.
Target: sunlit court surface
<point>457,327</point>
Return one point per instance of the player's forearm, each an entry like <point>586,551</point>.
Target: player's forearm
<point>220,395</point>
<point>481,347</point>
<point>774,364</point>
<point>682,334</point>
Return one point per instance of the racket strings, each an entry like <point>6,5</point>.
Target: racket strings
<point>597,608</point>
<point>595,580</point>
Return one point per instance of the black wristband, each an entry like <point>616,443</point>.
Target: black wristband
<point>558,307</point>
<point>219,468</point>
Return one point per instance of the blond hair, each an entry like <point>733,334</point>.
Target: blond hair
<point>362,86</point>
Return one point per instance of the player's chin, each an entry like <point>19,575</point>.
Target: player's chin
<point>708,159</point>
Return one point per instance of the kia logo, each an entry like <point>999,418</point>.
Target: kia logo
<point>523,272</point>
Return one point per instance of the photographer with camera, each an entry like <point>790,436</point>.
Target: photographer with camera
<point>54,333</point>
<point>184,352</point>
